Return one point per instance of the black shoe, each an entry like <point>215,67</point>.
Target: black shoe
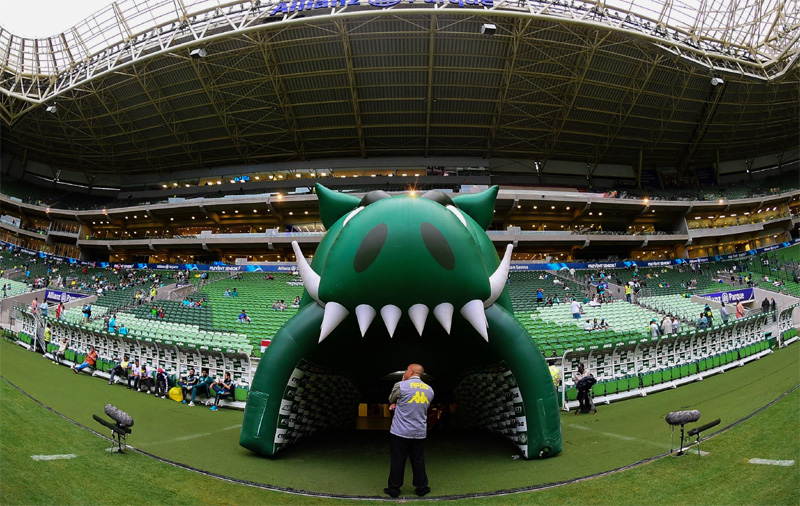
<point>423,491</point>
<point>391,492</point>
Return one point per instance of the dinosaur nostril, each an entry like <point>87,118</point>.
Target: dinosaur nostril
<point>370,247</point>
<point>437,246</point>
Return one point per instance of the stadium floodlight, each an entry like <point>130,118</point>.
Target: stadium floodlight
<point>51,108</point>
<point>488,28</point>
<point>716,81</point>
<point>198,53</point>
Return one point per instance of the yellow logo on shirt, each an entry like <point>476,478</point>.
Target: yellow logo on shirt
<point>419,398</point>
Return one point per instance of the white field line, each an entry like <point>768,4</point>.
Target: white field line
<point>619,436</point>
<point>192,436</point>
<point>53,457</point>
<point>768,462</point>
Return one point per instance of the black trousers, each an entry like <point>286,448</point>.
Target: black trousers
<point>414,449</point>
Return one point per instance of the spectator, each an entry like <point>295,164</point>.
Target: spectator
<point>112,323</point>
<point>123,330</point>
<point>222,389</point>
<point>154,312</point>
<point>120,368</point>
<point>576,309</point>
<point>48,334</point>
<point>162,383</point>
<point>603,324</point>
<point>203,385</point>
<point>739,310</point>
<point>62,350</point>
<point>723,313</point>
<point>87,312</point>
<point>35,305</point>
<point>666,326</point>
<point>653,328</point>
<point>588,326</point>
<point>145,379</point>
<point>89,361</point>
<point>773,306</point>
<point>243,318</point>
<point>161,312</point>
<point>702,322</point>
<point>227,292</point>
<point>709,316</point>
<point>276,306</point>
<point>765,306</point>
<point>234,293</point>
<point>60,311</point>
<point>539,296</point>
<point>676,325</point>
<point>106,322</point>
<point>188,382</point>
<point>45,308</point>
<point>296,302</point>
<point>135,375</point>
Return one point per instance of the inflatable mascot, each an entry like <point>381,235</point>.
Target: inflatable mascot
<point>397,280</point>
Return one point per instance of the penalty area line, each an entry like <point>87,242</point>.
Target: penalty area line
<point>54,457</point>
<point>768,462</point>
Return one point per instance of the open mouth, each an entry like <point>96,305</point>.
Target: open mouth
<point>472,311</point>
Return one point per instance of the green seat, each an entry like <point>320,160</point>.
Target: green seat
<point>633,382</point>
<point>572,394</point>
<point>622,385</point>
<point>684,370</point>
<point>693,368</point>
<point>599,389</point>
<point>715,361</point>
<point>240,394</point>
<point>666,375</point>
<point>657,377</point>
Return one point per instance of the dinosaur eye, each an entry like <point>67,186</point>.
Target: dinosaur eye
<point>437,245</point>
<point>454,210</point>
<point>370,247</point>
<point>350,216</point>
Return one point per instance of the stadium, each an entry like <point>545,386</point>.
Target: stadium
<point>309,195</point>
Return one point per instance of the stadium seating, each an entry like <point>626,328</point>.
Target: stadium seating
<point>632,369</point>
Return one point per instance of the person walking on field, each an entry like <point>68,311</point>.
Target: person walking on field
<point>410,400</point>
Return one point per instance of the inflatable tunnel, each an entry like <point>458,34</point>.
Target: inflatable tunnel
<point>397,280</point>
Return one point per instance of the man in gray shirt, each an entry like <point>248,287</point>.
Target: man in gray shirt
<point>410,400</point>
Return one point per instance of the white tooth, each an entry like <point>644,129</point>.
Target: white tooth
<point>310,278</point>
<point>334,314</point>
<point>418,314</point>
<point>473,313</point>
<point>365,314</point>
<point>444,315</point>
<point>497,281</point>
<point>391,315</point>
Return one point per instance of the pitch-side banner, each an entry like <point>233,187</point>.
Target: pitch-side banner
<point>59,296</point>
<point>732,297</point>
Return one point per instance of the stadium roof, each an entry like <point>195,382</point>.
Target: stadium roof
<point>164,85</point>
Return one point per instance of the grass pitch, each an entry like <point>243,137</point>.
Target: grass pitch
<point>357,462</point>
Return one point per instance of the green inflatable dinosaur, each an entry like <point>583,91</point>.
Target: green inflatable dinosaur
<point>425,266</point>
